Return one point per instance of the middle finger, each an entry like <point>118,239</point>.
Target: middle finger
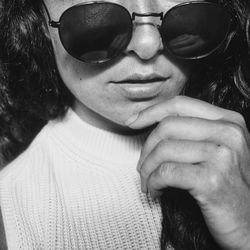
<point>194,129</point>
<point>179,151</point>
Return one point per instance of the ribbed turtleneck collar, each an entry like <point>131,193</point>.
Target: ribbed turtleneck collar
<point>84,139</point>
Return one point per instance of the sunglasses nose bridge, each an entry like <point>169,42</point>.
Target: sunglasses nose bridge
<point>146,18</point>
<point>148,14</point>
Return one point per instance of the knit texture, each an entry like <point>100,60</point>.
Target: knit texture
<point>76,187</point>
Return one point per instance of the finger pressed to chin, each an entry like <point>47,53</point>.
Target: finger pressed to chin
<point>176,151</point>
<point>183,106</point>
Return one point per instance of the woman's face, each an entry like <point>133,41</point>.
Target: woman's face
<point>144,75</point>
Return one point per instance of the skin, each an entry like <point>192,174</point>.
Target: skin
<point>195,146</point>
<point>203,149</point>
<point>98,101</point>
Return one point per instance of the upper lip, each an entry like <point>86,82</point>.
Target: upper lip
<point>142,78</point>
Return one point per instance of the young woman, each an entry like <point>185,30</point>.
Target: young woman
<point>92,92</point>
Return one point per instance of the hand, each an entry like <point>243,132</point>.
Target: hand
<point>205,150</point>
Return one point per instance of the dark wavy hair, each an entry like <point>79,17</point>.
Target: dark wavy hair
<point>32,93</point>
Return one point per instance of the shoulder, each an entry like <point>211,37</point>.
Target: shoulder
<point>30,169</point>
<point>14,178</point>
<point>35,155</point>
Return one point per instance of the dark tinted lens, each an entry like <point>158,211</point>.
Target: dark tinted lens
<point>95,32</point>
<point>195,30</point>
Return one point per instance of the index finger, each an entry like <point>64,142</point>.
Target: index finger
<point>182,106</point>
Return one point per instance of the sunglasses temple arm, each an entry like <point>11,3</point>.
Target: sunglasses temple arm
<point>51,22</point>
<point>46,10</point>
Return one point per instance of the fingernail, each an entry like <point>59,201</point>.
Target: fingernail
<point>144,188</point>
<point>132,119</point>
<point>138,167</point>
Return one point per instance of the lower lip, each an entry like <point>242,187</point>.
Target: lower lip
<point>140,91</point>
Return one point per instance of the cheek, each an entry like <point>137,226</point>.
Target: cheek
<point>182,72</point>
<point>65,63</point>
<point>89,85</point>
<point>72,70</point>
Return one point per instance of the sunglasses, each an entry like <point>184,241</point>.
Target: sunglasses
<point>96,32</point>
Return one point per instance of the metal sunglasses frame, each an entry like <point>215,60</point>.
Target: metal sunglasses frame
<point>133,15</point>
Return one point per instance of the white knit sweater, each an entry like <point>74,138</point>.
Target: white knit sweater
<point>76,187</point>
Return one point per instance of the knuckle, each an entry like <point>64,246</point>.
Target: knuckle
<point>165,169</point>
<point>236,129</point>
<point>163,173</point>
<point>236,132</point>
<point>214,182</point>
<point>208,148</point>
<point>239,118</point>
<point>223,152</point>
<point>213,187</point>
<point>227,157</point>
<point>160,176</point>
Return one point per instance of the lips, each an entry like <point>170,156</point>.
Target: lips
<point>139,87</point>
<point>141,79</point>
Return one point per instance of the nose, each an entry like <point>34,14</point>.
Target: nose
<point>146,41</point>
